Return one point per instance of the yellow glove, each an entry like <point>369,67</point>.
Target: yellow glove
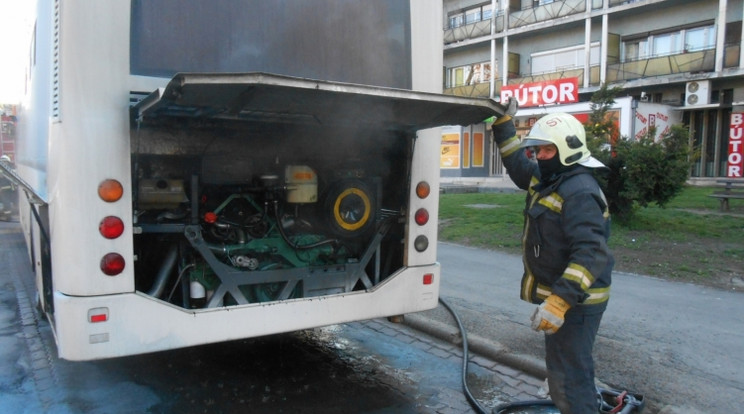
<point>549,316</point>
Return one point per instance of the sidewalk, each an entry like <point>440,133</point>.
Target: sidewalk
<point>456,185</point>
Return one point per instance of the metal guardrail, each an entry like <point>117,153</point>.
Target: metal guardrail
<point>9,172</point>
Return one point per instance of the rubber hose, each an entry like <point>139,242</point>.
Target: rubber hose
<point>162,277</point>
<point>471,399</point>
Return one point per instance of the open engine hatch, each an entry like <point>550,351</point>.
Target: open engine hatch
<point>273,98</point>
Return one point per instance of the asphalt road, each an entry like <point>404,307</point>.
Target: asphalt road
<point>677,344</point>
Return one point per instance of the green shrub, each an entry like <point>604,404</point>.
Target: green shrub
<point>645,171</point>
<point>641,172</point>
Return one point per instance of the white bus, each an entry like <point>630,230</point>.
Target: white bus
<point>204,171</point>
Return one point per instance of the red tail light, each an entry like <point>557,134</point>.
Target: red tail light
<point>112,264</point>
<point>421,216</point>
<point>111,227</point>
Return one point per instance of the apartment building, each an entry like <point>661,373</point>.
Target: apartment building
<point>677,61</point>
<point>8,130</point>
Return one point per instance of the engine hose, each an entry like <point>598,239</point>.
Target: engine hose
<point>295,245</point>
<point>471,399</point>
<point>165,270</point>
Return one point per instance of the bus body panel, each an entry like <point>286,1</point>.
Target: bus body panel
<point>196,220</point>
<point>161,326</point>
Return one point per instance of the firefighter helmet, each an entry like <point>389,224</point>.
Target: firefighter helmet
<point>567,134</point>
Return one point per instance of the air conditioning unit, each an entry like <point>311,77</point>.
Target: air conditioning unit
<point>697,93</point>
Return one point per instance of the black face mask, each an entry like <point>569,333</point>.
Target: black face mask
<point>550,168</point>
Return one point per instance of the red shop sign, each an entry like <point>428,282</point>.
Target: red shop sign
<point>735,166</point>
<point>559,91</point>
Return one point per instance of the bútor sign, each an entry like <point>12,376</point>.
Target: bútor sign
<point>558,91</point>
<point>735,165</point>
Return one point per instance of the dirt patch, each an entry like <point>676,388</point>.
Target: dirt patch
<point>703,261</point>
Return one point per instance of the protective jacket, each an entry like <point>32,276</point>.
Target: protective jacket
<point>566,228</point>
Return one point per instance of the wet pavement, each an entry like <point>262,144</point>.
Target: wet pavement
<point>364,367</point>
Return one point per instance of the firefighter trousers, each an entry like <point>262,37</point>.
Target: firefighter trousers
<point>568,357</point>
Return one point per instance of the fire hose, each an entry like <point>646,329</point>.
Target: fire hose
<point>610,401</point>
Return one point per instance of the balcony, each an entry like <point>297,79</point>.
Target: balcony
<point>473,30</point>
<point>614,3</point>
<point>555,10</point>
<point>699,61</point>
<point>561,74</point>
<point>481,90</point>
<point>477,90</point>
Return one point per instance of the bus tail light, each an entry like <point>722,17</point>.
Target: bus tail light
<point>423,189</point>
<point>428,279</point>
<point>111,227</point>
<point>110,190</point>
<point>421,216</point>
<point>112,264</point>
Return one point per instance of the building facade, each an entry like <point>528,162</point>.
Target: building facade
<point>676,61</point>
<point>8,120</point>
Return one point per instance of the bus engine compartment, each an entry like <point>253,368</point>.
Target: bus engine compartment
<point>275,237</point>
<point>230,213</point>
<point>254,187</point>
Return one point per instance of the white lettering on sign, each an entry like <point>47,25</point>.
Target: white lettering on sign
<point>557,91</point>
<point>735,158</point>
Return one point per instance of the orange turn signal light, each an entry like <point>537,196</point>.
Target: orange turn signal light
<point>110,190</point>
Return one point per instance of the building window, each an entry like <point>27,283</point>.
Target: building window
<point>563,59</point>
<point>700,38</point>
<point>636,49</point>
<point>671,42</point>
<point>667,44</point>
<point>456,21</point>
<point>468,75</point>
<point>470,15</point>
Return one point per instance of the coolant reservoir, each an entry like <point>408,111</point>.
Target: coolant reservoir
<point>302,184</point>
<point>161,194</point>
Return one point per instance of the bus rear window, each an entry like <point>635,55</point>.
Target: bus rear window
<point>356,41</point>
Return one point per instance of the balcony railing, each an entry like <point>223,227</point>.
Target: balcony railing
<point>700,61</point>
<point>478,90</point>
<point>692,62</point>
<point>621,2</point>
<point>561,74</point>
<point>473,30</point>
<point>546,12</point>
<point>481,90</point>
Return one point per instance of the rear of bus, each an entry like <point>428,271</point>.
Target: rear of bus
<point>207,172</point>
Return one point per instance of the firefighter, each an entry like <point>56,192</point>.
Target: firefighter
<point>567,263</point>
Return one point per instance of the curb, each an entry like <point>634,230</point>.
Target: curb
<point>477,344</point>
